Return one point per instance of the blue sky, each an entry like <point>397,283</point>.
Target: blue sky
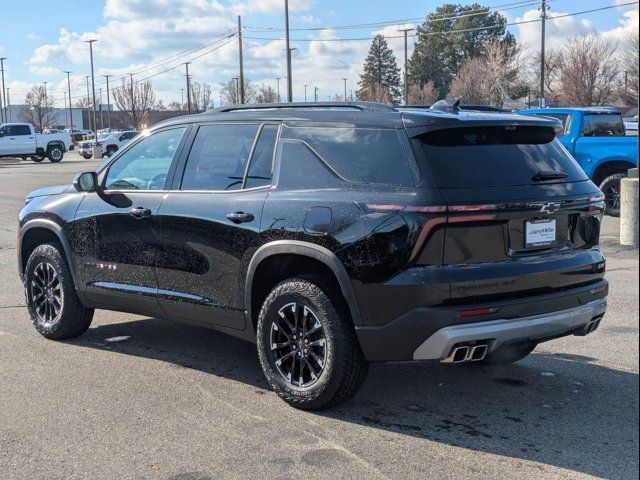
<point>43,37</point>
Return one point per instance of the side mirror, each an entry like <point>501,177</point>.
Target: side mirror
<point>86,182</point>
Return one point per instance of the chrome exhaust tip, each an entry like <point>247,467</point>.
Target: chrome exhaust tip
<point>477,353</point>
<point>457,355</point>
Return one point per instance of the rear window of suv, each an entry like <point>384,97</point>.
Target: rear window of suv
<point>496,156</point>
<point>363,155</point>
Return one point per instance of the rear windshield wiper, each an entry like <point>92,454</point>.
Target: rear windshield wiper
<point>548,175</point>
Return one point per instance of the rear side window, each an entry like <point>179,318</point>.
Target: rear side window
<point>603,126</point>
<point>496,156</point>
<point>219,157</point>
<point>363,155</point>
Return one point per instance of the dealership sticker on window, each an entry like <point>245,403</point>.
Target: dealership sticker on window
<point>540,233</point>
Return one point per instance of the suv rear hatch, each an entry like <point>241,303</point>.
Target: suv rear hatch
<point>523,218</point>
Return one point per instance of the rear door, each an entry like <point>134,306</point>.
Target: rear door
<point>523,216</point>
<point>210,222</point>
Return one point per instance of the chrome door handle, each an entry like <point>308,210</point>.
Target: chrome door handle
<point>240,217</point>
<point>140,212</point>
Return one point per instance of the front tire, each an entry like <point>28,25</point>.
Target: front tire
<point>86,156</point>
<point>55,154</point>
<point>53,305</point>
<point>307,345</point>
<point>611,187</point>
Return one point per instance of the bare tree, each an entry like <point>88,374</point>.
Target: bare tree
<point>377,93</point>
<point>591,73</point>
<point>38,108</point>
<point>134,100</point>
<point>425,95</point>
<point>175,106</point>
<point>200,96</point>
<point>469,85</point>
<point>266,94</point>
<point>630,65</point>
<point>503,66</point>
<point>553,65</point>
<point>230,94</point>
<point>83,102</point>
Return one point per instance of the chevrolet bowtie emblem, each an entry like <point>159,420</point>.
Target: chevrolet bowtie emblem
<point>550,207</point>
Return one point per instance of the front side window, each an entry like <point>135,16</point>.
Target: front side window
<point>603,126</point>
<point>145,165</point>
<point>218,157</point>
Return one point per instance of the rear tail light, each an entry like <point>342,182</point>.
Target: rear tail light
<point>474,312</point>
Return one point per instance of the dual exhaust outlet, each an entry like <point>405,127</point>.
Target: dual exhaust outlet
<point>591,327</point>
<point>467,353</point>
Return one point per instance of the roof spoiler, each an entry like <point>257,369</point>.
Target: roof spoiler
<point>362,106</point>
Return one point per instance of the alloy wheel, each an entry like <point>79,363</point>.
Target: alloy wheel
<point>298,345</point>
<point>612,195</point>
<point>47,297</point>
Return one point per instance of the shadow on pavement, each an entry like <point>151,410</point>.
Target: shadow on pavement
<point>556,409</point>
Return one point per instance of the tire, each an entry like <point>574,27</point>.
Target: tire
<point>87,157</point>
<point>321,310</point>
<point>508,354</point>
<point>611,186</point>
<point>37,158</point>
<point>62,315</point>
<point>111,150</point>
<point>55,154</point>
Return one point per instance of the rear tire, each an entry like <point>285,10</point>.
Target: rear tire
<point>86,157</point>
<point>508,354</point>
<point>53,305</point>
<point>37,158</point>
<point>111,150</point>
<point>55,154</point>
<point>611,187</point>
<point>307,345</point>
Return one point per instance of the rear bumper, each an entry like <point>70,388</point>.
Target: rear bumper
<point>429,333</point>
<point>498,332</point>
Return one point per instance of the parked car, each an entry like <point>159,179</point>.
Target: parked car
<point>20,140</point>
<point>631,126</point>
<point>597,139</point>
<point>331,235</point>
<point>109,143</point>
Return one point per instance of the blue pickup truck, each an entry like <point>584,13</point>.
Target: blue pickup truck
<point>595,136</point>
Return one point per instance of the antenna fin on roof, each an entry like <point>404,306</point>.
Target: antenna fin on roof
<point>449,105</point>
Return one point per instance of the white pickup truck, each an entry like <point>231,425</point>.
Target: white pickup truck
<point>20,140</point>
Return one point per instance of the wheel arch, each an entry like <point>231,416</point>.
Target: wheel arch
<point>609,167</point>
<point>37,232</point>
<point>56,143</point>
<point>309,251</point>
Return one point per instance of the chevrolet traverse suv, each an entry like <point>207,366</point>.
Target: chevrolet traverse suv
<point>331,235</point>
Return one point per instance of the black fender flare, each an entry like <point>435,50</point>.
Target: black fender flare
<point>57,230</point>
<point>311,250</point>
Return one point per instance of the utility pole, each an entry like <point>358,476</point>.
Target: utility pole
<point>315,93</point>
<point>241,77</point>
<point>8,106</point>
<point>182,101</point>
<point>86,77</point>
<point>278,88</point>
<point>289,79</point>
<point>305,92</point>
<point>543,16</point>
<point>237,95</point>
<point>3,98</point>
<point>345,89</point>
<point>69,72</point>
<point>108,102</point>
<point>96,154</point>
<point>101,116</point>
<point>406,63</point>
<point>46,104</point>
<point>186,66</point>
<point>65,107</point>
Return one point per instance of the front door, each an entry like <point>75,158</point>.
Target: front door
<point>118,227</point>
<point>211,223</point>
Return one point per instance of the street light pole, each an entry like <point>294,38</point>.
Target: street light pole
<point>289,79</point>
<point>8,105</point>
<point>406,63</point>
<point>186,66</point>
<point>3,98</point>
<point>315,93</point>
<point>345,89</point>
<point>241,77</point>
<point>278,84</point>
<point>108,102</point>
<point>69,72</point>
<point>543,16</point>
<point>86,77</point>
<point>96,154</point>
<point>182,101</point>
<point>101,116</point>
<point>305,92</point>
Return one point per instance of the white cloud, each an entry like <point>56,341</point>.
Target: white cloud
<point>558,30</point>
<point>628,23</point>
<point>32,36</point>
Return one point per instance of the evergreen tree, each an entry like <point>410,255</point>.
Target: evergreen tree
<point>380,71</point>
<point>438,55</point>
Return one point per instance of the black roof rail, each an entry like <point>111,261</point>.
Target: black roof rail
<point>363,106</point>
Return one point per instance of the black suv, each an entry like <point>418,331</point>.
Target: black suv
<point>331,235</point>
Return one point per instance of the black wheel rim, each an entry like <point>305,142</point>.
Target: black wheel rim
<point>47,297</point>
<point>612,195</point>
<point>298,345</point>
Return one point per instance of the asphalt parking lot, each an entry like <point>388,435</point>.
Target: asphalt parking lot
<point>172,401</point>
